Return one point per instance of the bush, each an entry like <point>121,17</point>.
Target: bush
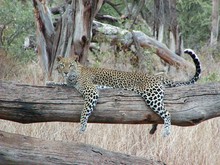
<point>18,21</point>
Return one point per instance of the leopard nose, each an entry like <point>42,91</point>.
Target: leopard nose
<point>65,73</point>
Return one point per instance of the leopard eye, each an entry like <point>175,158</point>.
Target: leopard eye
<point>71,65</point>
<point>62,65</point>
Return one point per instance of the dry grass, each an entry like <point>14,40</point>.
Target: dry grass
<point>185,146</point>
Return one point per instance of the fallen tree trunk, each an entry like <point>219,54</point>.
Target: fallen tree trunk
<point>20,150</point>
<point>188,105</point>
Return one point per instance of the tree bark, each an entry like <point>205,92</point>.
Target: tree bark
<point>69,35</point>
<point>188,105</point>
<point>21,150</point>
<point>215,23</point>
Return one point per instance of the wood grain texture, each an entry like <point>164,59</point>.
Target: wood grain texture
<point>188,105</point>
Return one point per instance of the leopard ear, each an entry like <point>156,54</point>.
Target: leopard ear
<point>59,58</point>
<point>76,58</point>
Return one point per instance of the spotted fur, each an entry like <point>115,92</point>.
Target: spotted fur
<point>89,80</point>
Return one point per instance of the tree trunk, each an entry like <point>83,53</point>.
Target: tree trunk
<point>158,20</point>
<point>215,22</point>
<point>188,105</point>
<point>166,28</point>
<point>22,150</point>
<point>69,36</point>
<point>174,29</point>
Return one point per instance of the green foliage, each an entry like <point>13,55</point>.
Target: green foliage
<point>109,10</point>
<point>194,20</point>
<point>212,77</point>
<point>18,19</point>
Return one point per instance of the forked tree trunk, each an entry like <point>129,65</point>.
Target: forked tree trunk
<point>69,35</point>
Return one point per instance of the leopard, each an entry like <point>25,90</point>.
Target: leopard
<point>88,80</point>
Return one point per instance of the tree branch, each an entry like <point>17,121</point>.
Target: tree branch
<point>188,105</point>
<point>124,37</point>
<point>18,149</point>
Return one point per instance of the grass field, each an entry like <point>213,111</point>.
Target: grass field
<point>197,145</point>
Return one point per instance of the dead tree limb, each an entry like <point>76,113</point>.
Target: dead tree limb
<point>19,150</point>
<point>124,37</point>
<point>188,105</point>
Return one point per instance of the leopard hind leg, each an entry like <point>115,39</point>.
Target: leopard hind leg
<point>154,99</point>
<point>153,128</point>
<point>90,96</point>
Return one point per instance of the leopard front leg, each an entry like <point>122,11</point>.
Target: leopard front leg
<point>90,95</point>
<point>154,99</point>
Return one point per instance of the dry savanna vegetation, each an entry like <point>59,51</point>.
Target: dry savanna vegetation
<point>185,146</point>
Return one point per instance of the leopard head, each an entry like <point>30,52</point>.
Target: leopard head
<point>67,66</point>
